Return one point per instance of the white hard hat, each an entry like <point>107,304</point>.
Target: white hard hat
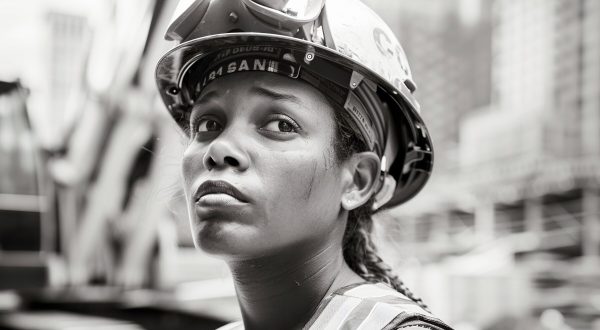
<point>339,46</point>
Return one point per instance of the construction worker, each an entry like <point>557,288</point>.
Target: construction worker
<point>301,123</point>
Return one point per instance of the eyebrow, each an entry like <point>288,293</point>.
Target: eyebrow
<point>263,91</point>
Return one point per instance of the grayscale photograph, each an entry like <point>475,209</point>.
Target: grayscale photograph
<point>300,164</point>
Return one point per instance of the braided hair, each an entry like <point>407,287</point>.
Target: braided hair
<point>358,248</point>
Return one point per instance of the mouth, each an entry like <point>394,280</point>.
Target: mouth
<point>214,189</point>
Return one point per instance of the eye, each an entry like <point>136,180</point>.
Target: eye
<point>281,124</point>
<point>207,125</point>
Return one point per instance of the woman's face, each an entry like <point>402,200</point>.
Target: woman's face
<point>259,171</point>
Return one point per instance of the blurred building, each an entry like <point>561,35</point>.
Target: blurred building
<point>48,42</point>
<point>70,36</point>
<point>515,227</point>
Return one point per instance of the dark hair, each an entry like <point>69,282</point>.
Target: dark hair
<point>359,249</point>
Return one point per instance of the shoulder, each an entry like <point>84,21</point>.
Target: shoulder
<point>372,306</point>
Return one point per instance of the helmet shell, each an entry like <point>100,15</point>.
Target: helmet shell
<point>369,55</point>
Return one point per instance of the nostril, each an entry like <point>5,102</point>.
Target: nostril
<point>232,161</point>
<point>210,163</point>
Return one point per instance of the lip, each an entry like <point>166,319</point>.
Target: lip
<point>219,187</point>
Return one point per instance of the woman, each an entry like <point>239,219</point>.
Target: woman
<point>292,147</point>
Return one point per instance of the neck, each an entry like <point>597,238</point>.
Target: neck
<point>283,290</point>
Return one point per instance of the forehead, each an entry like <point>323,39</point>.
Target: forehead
<point>271,86</point>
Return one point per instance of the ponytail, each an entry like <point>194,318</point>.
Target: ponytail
<point>361,254</point>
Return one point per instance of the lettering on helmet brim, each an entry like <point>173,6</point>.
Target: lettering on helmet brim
<point>246,63</point>
<point>357,110</point>
<point>246,49</point>
<point>249,64</point>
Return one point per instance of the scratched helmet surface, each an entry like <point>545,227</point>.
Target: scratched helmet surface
<point>339,46</point>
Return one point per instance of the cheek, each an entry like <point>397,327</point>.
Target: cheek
<point>301,184</point>
<point>318,177</point>
<point>191,164</point>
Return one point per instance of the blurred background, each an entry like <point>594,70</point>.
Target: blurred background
<point>93,227</point>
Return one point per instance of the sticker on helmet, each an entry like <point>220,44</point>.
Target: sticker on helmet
<point>357,110</point>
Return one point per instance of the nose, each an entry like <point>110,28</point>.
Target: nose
<point>225,151</point>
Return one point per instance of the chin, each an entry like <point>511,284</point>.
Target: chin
<point>223,238</point>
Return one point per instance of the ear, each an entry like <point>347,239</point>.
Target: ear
<point>362,170</point>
